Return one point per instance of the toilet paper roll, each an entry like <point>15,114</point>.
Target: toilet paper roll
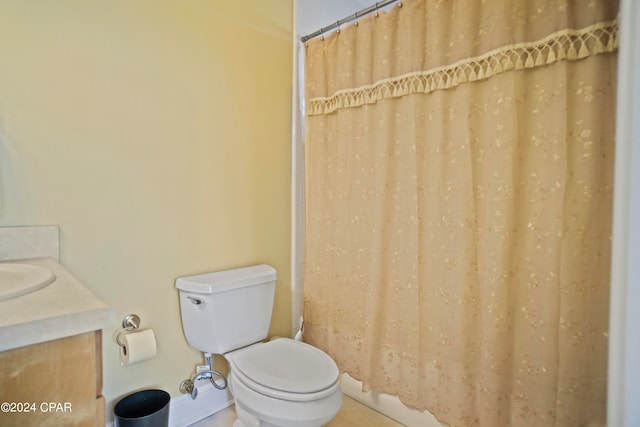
<point>138,346</point>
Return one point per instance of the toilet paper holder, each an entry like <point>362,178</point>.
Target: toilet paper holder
<point>130,323</point>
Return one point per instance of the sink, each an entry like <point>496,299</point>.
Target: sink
<point>21,279</point>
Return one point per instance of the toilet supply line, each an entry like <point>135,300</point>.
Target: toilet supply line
<point>188,386</point>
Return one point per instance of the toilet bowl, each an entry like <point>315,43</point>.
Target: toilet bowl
<point>279,383</point>
<point>283,383</point>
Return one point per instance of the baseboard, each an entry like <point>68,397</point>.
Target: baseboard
<point>184,411</point>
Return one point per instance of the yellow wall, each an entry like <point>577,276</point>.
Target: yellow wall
<point>156,134</point>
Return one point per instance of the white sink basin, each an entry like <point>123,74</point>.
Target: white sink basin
<point>21,279</point>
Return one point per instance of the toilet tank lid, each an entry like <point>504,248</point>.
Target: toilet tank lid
<point>220,281</point>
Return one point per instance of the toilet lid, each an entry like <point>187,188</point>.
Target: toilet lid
<point>287,365</point>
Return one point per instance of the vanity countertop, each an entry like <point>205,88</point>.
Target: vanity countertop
<point>64,308</point>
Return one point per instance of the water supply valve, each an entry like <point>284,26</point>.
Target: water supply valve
<point>187,387</point>
<point>203,372</point>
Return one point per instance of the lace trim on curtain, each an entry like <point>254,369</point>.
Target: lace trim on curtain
<point>567,44</point>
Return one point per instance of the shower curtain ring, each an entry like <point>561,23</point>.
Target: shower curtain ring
<point>338,27</point>
<point>321,33</point>
<point>377,14</point>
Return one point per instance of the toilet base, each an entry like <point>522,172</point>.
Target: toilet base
<point>245,419</point>
<point>238,423</point>
<point>278,413</point>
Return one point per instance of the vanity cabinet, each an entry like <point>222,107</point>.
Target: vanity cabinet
<point>54,383</point>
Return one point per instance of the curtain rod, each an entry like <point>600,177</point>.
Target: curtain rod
<point>359,14</point>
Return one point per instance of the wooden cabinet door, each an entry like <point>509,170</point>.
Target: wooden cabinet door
<point>56,383</point>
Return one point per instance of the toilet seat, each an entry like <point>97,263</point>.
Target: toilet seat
<point>285,369</point>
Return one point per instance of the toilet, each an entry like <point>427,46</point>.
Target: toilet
<point>282,382</point>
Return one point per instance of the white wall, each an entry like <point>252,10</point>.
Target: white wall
<point>624,328</point>
<point>156,134</point>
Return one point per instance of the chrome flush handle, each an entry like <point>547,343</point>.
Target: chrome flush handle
<point>195,300</point>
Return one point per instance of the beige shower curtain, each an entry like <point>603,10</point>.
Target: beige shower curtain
<point>459,184</point>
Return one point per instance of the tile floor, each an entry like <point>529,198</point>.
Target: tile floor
<point>352,414</point>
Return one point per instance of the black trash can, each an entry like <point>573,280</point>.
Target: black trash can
<point>146,408</point>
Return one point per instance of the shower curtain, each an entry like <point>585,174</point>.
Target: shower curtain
<point>459,160</point>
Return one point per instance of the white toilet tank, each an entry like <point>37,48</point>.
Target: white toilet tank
<point>227,310</point>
